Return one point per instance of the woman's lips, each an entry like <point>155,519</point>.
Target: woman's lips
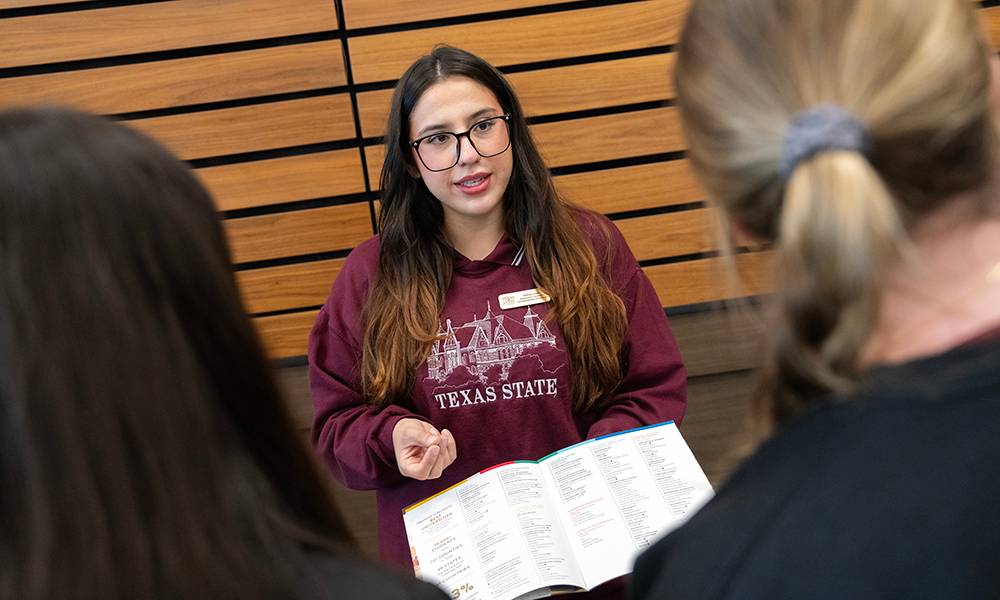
<point>473,184</point>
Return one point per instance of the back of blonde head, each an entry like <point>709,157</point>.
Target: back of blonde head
<point>914,72</point>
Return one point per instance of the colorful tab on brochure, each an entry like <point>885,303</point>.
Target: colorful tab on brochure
<point>606,435</point>
<point>510,462</point>
<point>429,498</point>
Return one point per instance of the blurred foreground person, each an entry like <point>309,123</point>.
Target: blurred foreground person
<point>859,138</point>
<point>144,449</point>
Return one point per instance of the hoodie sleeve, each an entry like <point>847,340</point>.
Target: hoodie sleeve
<point>652,389</point>
<point>352,438</point>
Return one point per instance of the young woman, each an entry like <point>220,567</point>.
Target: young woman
<point>144,449</point>
<point>489,320</point>
<point>859,137</point>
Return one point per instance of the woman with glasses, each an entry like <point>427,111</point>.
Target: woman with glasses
<point>859,137</point>
<point>489,320</point>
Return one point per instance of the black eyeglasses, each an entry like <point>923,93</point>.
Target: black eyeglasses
<point>440,151</point>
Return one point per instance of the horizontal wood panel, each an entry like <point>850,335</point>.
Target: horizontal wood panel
<point>632,188</point>
<point>5,4</point>
<point>596,85</point>
<point>298,232</point>
<point>720,340</point>
<point>991,21</point>
<point>671,234</point>
<point>252,128</point>
<point>525,39</point>
<point>717,422</point>
<point>561,89</point>
<point>592,139</point>
<point>370,13</point>
<point>304,177</point>
<point>183,81</point>
<point>373,111</point>
<point>288,286</point>
<point>285,336</point>
<point>151,27</point>
<point>678,284</point>
<point>609,137</point>
<point>707,280</point>
<point>374,157</point>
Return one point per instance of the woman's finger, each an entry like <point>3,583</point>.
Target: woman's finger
<point>449,446</point>
<point>423,469</point>
<point>439,465</point>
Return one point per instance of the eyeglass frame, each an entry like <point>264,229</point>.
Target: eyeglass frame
<point>458,137</point>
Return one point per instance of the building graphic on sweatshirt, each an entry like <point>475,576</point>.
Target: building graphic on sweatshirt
<point>487,342</point>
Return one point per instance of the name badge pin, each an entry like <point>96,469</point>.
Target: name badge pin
<point>523,298</point>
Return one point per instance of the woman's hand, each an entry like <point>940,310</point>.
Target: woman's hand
<point>422,452</point>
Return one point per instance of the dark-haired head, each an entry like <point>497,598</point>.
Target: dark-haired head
<point>416,256</point>
<point>146,451</point>
<point>406,202</point>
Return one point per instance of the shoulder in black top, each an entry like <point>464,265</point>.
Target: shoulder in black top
<point>891,493</point>
<point>336,577</point>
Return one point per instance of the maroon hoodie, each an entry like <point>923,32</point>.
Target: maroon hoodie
<point>499,380</point>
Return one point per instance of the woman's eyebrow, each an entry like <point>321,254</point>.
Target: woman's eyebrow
<point>431,128</point>
<point>473,117</point>
<point>481,113</point>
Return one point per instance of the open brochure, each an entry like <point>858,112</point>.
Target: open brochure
<point>565,523</point>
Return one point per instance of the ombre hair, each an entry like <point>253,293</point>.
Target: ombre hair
<point>915,74</point>
<point>416,260</point>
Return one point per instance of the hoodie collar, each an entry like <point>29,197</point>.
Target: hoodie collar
<point>505,254</point>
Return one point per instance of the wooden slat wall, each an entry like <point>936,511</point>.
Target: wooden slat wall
<point>257,96</point>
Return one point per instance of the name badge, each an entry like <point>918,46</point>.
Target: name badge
<point>523,298</point>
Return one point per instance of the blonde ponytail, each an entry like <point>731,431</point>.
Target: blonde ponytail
<point>838,227</point>
<point>914,75</point>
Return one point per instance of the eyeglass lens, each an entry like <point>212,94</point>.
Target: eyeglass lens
<point>440,151</point>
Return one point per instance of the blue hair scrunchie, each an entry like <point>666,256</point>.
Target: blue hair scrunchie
<point>820,129</point>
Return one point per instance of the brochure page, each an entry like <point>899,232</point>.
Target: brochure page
<point>568,522</point>
<point>619,493</point>
<point>492,537</point>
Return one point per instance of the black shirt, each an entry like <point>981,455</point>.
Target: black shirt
<point>339,577</point>
<point>893,492</point>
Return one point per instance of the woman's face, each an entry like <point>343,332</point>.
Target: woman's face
<point>472,190</point>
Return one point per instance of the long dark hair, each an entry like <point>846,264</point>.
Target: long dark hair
<point>145,451</point>
<point>416,260</point>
